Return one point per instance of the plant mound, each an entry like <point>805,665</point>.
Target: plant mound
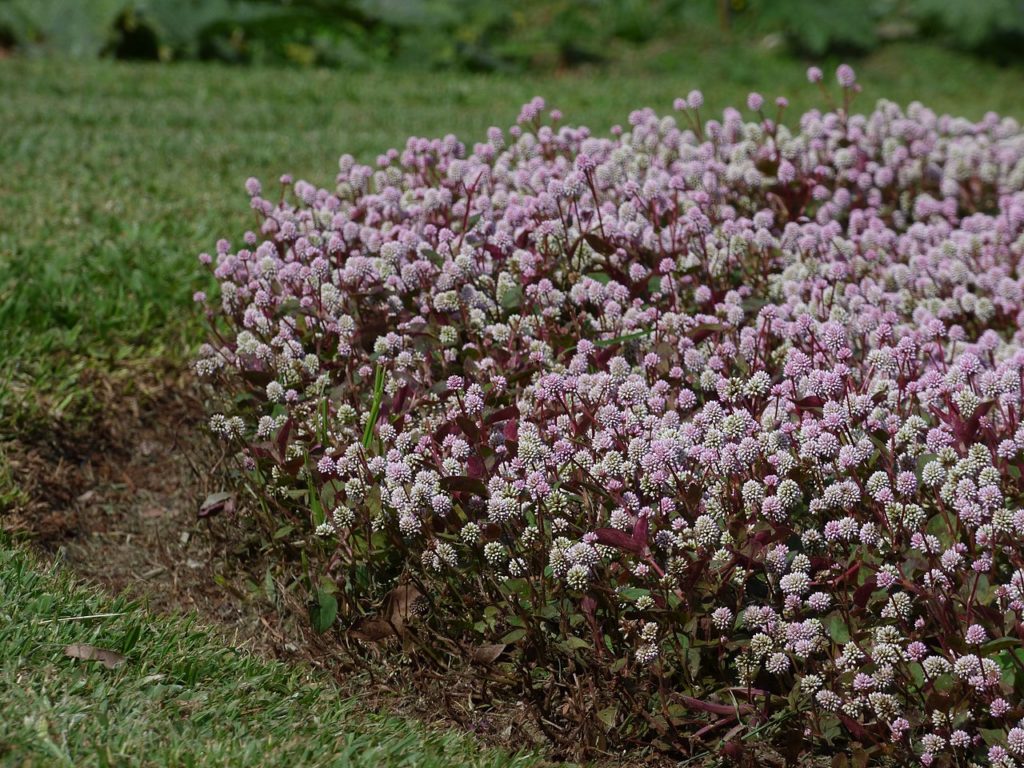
<point>701,433</point>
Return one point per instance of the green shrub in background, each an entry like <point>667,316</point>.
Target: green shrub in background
<point>490,36</point>
<point>992,27</point>
<point>74,29</point>
<point>995,26</point>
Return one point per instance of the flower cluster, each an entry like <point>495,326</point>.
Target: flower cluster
<point>725,412</point>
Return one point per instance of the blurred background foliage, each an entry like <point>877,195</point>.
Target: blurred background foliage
<point>492,35</point>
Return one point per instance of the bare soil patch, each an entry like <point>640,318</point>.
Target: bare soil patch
<point>117,499</point>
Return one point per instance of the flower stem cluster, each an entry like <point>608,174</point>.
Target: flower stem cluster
<point>721,410</point>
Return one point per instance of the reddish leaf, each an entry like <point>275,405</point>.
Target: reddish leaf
<point>599,244</point>
<point>863,593</point>
<point>263,450</point>
<point>511,431</point>
<point>717,709</point>
<point>618,539</point>
<point>809,403</point>
<point>702,332</point>
<point>970,429</point>
<point>292,467</point>
<point>859,731</point>
<point>640,530</point>
<point>259,378</point>
<point>589,607</point>
<point>503,414</point>
<point>469,429</point>
<point>733,750</point>
<point>604,354</point>
<point>400,398</point>
<point>282,439</point>
<point>475,467</point>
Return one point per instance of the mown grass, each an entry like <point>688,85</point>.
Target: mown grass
<point>181,698</point>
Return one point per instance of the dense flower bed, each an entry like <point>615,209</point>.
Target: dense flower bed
<point>703,431</point>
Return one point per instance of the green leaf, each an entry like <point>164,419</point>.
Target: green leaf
<point>992,735</point>
<point>838,630</point>
<point>323,611</point>
<point>378,395</point>
<point>519,587</point>
<point>917,673</point>
<point>514,636</point>
<point>634,593</point>
<point>999,644</point>
<point>512,298</point>
<point>693,661</point>
<point>608,716</point>
<point>624,337</point>
<point>269,588</point>
<point>575,643</point>
<point>315,507</point>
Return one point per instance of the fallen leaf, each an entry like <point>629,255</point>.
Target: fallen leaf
<point>148,447</point>
<point>86,652</point>
<point>398,611</point>
<point>488,654</point>
<point>371,630</point>
<point>402,599</point>
<point>216,503</point>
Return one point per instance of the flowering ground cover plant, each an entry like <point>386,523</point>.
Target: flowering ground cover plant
<point>703,432</point>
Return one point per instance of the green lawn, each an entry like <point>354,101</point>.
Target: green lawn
<point>112,178</point>
<point>179,698</point>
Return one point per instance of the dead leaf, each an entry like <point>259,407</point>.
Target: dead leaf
<point>148,447</point>
<point>488,653</point>
<point>402,600</point>
<point>399,610</point>
<point>216,503</point>
<point>86,652</point>
<point>372,630</point>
